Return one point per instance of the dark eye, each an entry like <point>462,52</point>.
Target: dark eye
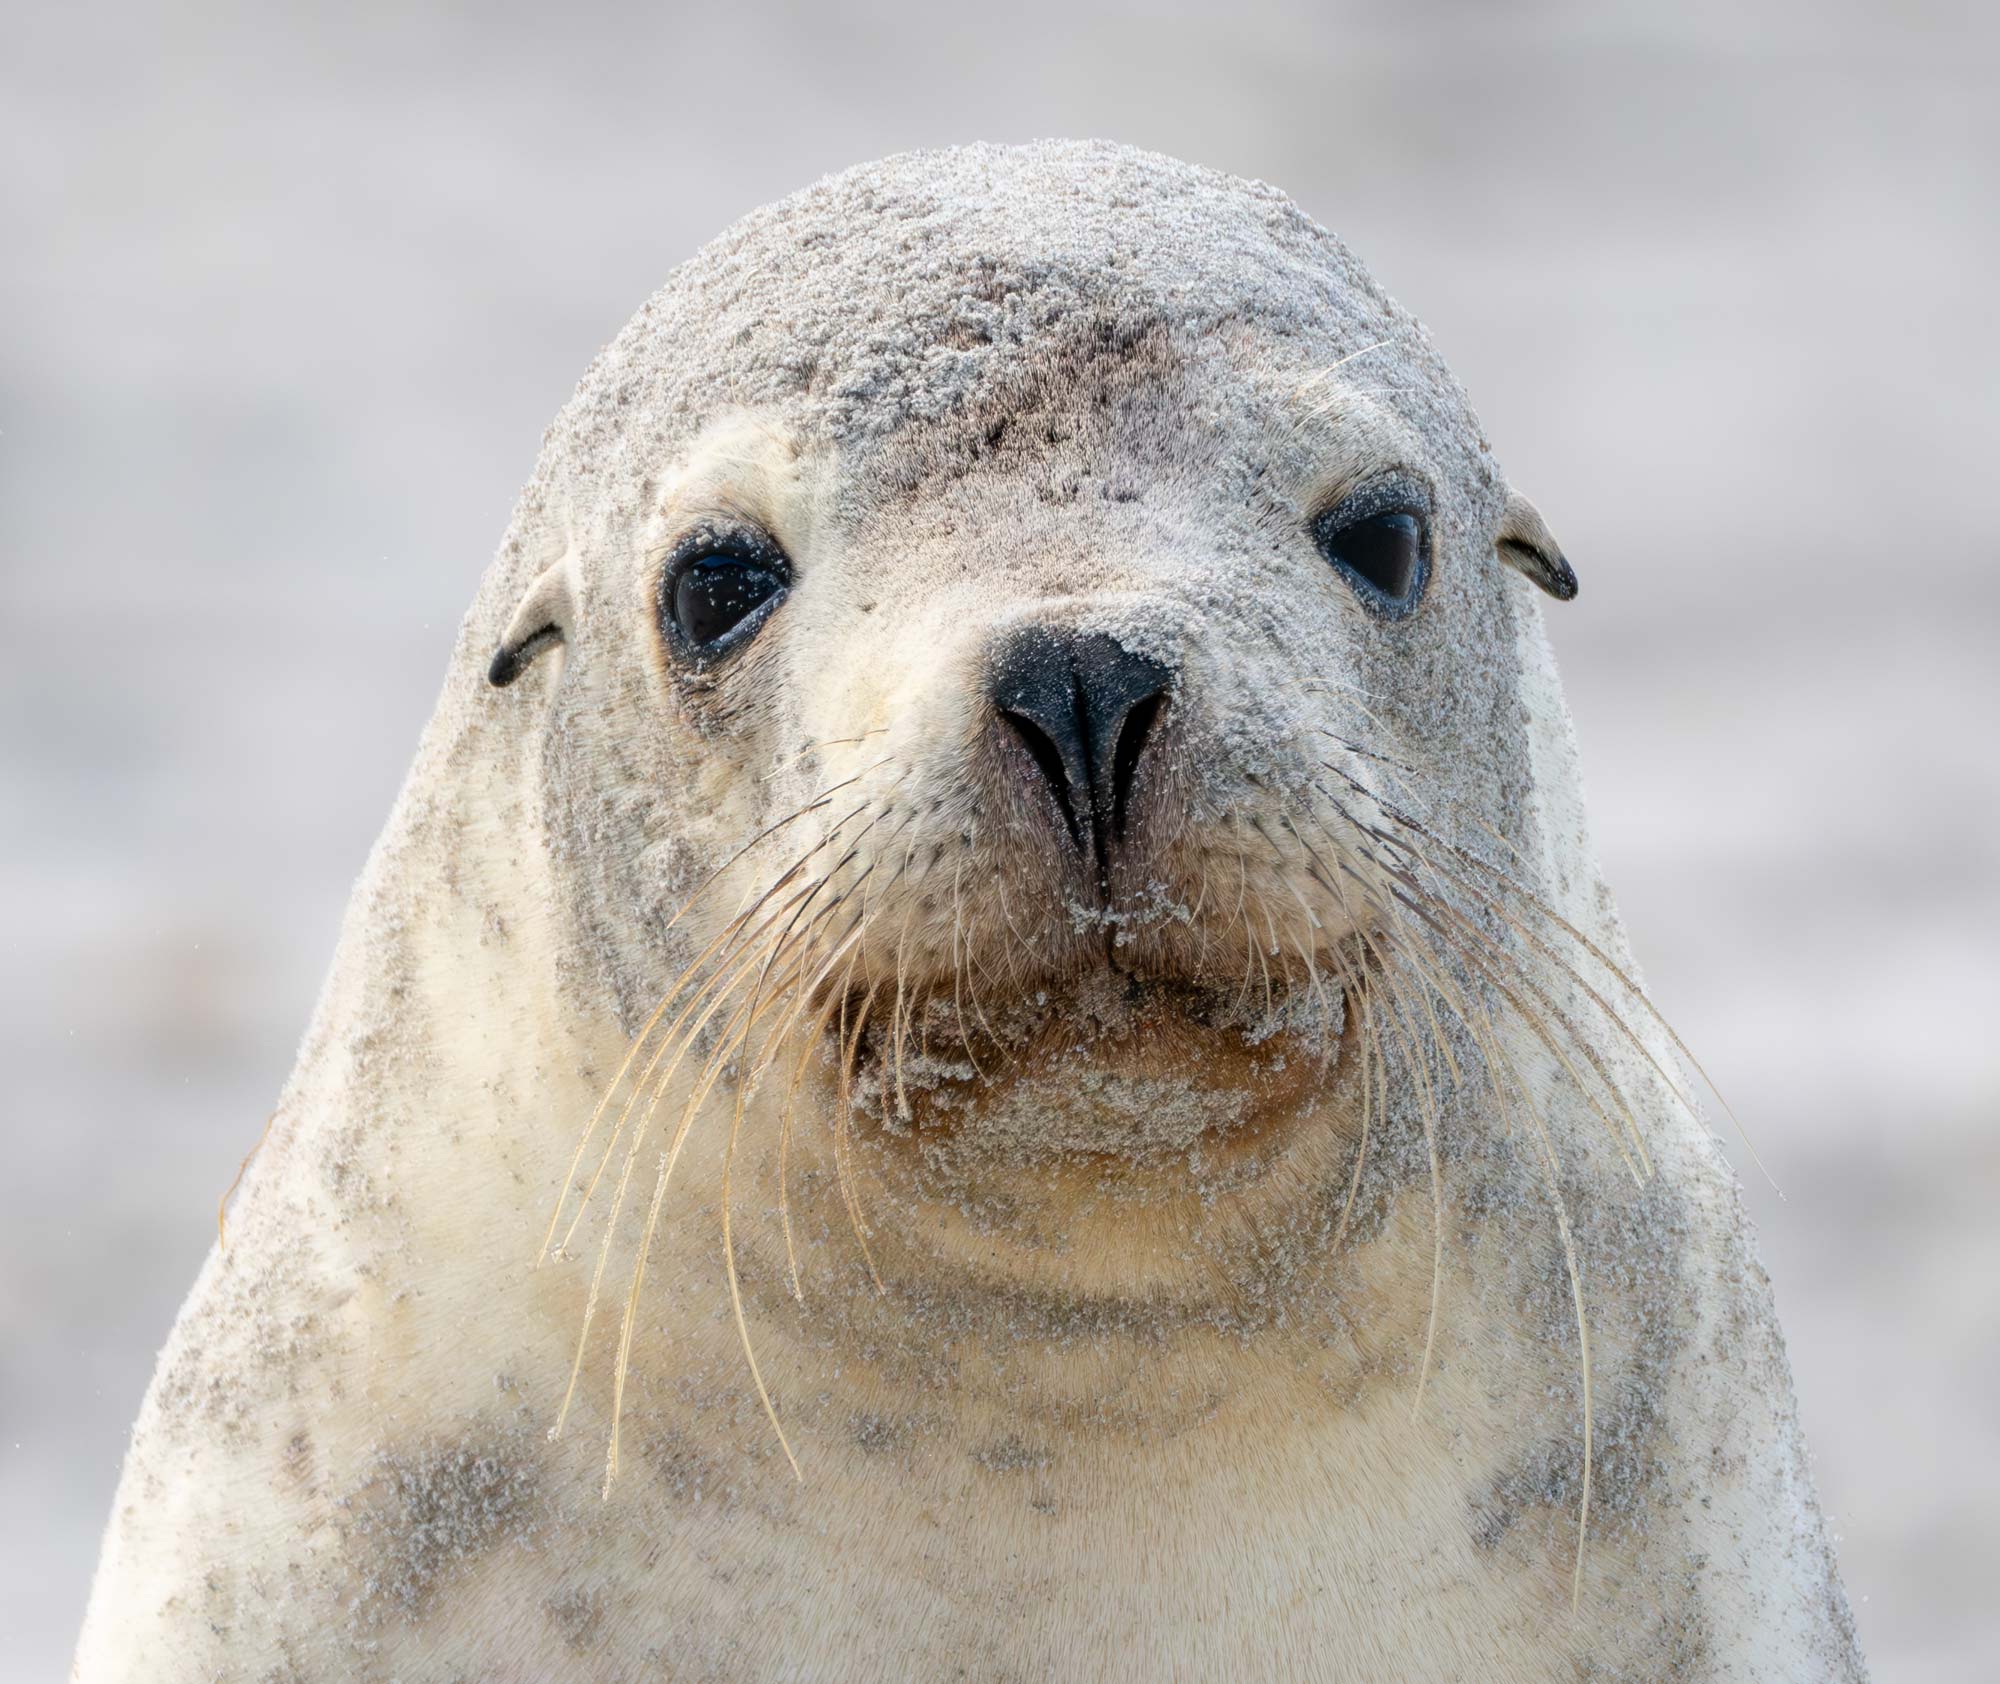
<point>718,598</point>
<point>1384,553</point>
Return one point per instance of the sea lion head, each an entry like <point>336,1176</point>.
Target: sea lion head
<point>1018,609</point>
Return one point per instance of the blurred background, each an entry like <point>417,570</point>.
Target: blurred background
<point>292,291</point>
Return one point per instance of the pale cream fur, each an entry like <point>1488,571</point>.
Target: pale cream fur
<point>1175,1408</point>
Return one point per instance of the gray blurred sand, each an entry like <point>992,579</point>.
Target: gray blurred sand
<point>287,305</point>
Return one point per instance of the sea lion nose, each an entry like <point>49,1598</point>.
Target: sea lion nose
<point>1083,705</point>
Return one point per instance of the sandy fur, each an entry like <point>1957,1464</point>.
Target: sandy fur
<point>1395,1319</point>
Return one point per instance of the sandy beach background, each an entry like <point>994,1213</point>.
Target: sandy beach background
<point>287,301</point>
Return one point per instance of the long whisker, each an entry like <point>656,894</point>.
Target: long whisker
<point>1625,982</point>
<point>1429,1115</point>
<point>1491,975</point>
<point>734,926</point>
<point>611,1221</point>
<point>725,1047</point>
<point>958,976</point>
<point>834,1001</point>
<point>682,1036</point>
<point>1509,884</point>
<point>899,1020</point>
<point>975,966</point>
<point>1638,1168</point>
<point>774,1043</point>
<point>1581,1041</point>
<point>843,1112</point>
<point>1374,1091</point>
<point>679,1034</point>
<point>743,1085</point>
<point>1499,1057</point>
<point>1479,1022</point>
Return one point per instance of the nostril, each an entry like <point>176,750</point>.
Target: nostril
<point>1132,737</point>
<point>1085,708</point>
<point>1042,747</point>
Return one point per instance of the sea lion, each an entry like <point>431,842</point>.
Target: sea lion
<point>985,1042</point>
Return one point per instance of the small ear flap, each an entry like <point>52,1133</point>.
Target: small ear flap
<point>1525,543</point>
<point>543,619</point>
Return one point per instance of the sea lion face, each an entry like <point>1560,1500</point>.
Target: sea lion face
<point>998,671</point>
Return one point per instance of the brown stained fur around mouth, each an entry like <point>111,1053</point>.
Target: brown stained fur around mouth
<point>1114,1046</point>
